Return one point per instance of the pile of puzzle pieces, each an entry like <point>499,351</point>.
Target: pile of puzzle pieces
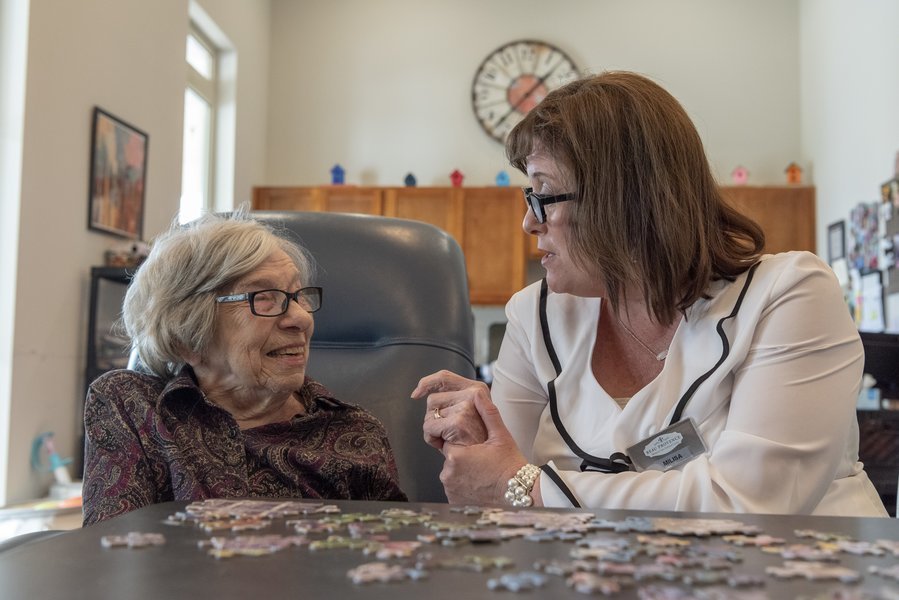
<point>664,558</point>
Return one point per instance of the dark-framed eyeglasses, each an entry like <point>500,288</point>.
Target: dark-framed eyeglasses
<point>537,202</point>
<point>273,303</point>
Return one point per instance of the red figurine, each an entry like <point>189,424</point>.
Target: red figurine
<point>456,178</point>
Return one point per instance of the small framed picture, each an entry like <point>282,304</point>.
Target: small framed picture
<point>836,241</point>
<point>118,176</point>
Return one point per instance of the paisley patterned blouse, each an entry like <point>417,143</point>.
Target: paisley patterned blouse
<point>148,440</point>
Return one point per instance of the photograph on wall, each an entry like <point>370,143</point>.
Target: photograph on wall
<point>118,176</point>
<point>836,241</point>
<point>864,242</point>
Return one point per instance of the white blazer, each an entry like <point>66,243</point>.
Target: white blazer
<point>775,396</point>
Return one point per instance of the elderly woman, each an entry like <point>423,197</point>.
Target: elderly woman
<point>664,362</point>
<point>221,316</point>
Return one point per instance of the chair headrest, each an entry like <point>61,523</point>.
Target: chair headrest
<point>383,278</point>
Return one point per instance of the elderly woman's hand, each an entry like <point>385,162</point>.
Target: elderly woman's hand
<point>479,474</point>
<point>451,416</point>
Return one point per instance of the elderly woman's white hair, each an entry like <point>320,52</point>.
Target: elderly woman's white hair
<point>170,306</point>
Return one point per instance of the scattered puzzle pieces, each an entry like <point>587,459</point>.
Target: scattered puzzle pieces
<point>591,583</point>
<point>814,571</point>
<point>517,582</point>
<point>133,539</point>
<point>374,572</point>
<point>665,558</point>
<point>250,545</point>
<point>891,572</point>
<point>754,540</point>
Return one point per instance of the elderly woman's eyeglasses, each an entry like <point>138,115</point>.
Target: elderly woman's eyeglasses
<point>537,202</point>
<point>273,303</point>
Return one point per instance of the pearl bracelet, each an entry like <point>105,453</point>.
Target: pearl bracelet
<point>519,491</point>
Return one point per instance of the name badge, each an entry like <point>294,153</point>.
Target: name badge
<point>669,448</point>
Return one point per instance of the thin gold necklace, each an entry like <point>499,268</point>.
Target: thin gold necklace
<point>659,356</point>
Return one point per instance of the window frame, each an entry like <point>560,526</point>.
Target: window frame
<point>207,90</point>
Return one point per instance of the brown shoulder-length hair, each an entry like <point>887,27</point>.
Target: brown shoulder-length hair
<point>647,208</point>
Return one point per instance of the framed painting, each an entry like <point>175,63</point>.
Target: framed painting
<point>118,176</point>
<point>836,241</point>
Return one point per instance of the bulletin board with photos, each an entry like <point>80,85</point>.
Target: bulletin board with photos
<point>863,254</point>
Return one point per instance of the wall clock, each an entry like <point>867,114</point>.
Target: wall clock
<point>513,79</point>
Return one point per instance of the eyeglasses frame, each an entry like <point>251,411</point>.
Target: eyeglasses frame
<point>537,202</point>
<point>249,297</point>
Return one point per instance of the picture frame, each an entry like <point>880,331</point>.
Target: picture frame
<point>118,176</point>
<point>836,241</point>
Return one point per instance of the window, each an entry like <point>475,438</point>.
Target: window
<point>198,164</point>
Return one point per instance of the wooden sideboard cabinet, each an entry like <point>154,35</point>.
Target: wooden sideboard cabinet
<point>786,214</point>
<point>485,221</point>
<point>350,199</point>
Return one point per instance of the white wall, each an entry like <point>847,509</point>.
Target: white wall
<point>383,87</point>
<point>849,102</point>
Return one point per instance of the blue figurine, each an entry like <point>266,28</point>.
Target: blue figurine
<point>337,174</point>
<point>502,179</point>
<point>410,180</point>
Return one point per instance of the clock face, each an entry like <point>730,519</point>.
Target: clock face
<point>514,79</point>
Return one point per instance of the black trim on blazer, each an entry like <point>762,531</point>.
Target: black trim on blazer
<point>612,464</point>
<point>725,350</point>
<point>544,325</point>
<point>561,485</point>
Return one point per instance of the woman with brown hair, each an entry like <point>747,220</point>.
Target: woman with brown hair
<point>664,362</point>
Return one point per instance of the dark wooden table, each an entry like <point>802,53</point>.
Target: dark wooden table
<point>74,565</point>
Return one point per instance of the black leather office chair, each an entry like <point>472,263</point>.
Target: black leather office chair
<point>395,309</point>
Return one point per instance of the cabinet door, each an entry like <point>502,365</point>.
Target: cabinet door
<point>786,214</point>
<point>287,198</point>
<point>337,198</point>
<point>441,207</point>
<point>493,242</point>
<point>352,199</point>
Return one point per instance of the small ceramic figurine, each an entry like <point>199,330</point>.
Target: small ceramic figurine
<point>337,174</point>
<point>739,176</point>
<point>409,180</point>
<point>456,178</point>
<point>502,179</point>
<point>794,174</point>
